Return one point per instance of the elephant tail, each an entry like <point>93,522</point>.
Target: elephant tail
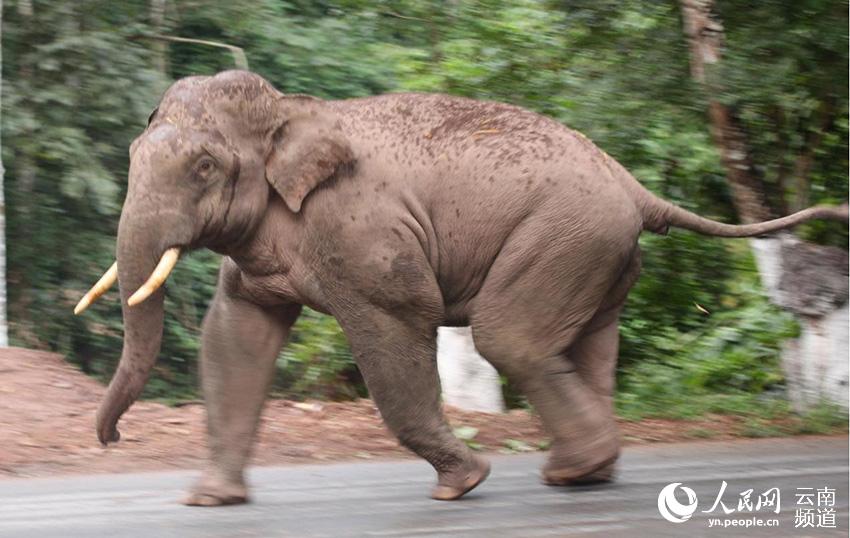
<point>660,214</point>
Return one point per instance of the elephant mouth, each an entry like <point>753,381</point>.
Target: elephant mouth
<point>156,279</point>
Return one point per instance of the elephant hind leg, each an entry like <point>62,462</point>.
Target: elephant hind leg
<point>584,433</point>
<point>596,349</point>
<point>595,354</point>
<point>562,321</point>
<point>585,437</point>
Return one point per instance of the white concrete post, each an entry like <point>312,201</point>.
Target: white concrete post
<point>469,382</point>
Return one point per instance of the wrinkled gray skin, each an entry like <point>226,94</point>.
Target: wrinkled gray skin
<point>395,214</point>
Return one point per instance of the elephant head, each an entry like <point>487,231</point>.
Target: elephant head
<point>201,175</point>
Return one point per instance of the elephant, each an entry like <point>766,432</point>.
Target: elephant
<point>396,214</point>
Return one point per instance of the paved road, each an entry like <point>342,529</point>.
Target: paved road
<point>389,499</point>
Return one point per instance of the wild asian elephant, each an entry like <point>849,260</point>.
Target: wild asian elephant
<point>396,214</point>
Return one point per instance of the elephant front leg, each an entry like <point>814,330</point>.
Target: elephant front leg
<point>398,361</point>
<point>238,350</point>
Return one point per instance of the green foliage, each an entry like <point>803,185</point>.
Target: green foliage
<point>512,446</point>
<point>777,420</point>
<point>726,361</point>
<point>80,79</point>
<point>75,92</point>
<point>823,419</point>
<point>467,435</point>
<point>317,362</point>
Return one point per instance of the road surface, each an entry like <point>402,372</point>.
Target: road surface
<point>390,499</point>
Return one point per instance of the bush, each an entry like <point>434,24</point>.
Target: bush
<point>317,363</point>
<point>730,364</point>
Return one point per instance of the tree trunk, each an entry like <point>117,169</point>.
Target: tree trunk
<point>4,328</point>
<point>809,280</point>
<point>705,36</point>
<point>160,47</point>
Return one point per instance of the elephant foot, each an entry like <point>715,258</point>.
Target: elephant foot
<point>562,477</point>
<point>216,492</point>
<point>568,468</point>
<point>454,484</point>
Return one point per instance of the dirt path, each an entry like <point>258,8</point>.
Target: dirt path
<point>47,410</point>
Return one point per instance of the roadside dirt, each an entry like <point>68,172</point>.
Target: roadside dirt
<point>47,410</point>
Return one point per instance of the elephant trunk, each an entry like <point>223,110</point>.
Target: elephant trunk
<point>139,249</point>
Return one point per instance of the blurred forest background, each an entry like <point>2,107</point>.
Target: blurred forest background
<point>80,78</point>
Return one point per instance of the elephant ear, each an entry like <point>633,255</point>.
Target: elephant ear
<point>305,152</point>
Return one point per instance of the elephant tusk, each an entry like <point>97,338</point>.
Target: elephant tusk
<point>157,278</point>
<point>102,285</point>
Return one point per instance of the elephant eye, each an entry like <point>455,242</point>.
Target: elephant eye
<point>205,166</point>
